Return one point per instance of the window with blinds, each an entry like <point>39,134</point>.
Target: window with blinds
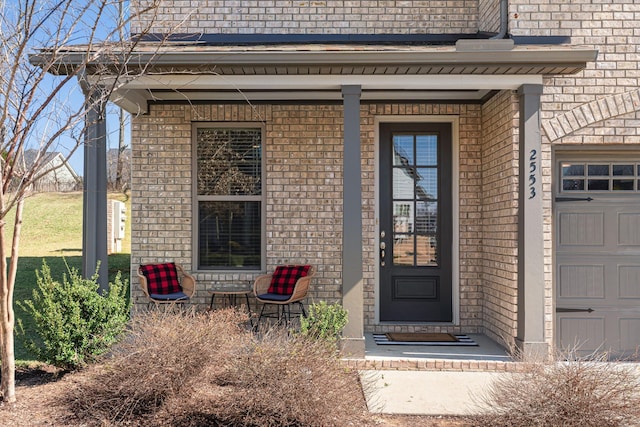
<point>229,198</point>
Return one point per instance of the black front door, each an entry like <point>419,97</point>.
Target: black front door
<point>415,222</point>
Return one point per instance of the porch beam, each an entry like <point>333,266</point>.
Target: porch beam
<point>352,287</point>
<point>94,192</point>
<point>530,331</point>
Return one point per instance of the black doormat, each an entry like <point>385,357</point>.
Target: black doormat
<point>420,338</point>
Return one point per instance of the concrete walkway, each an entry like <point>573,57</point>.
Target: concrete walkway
<point>438,391</point>
<point>426,392</point>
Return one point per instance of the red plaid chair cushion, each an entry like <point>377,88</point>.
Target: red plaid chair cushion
<point>284,278</point>
<point>161,278</point>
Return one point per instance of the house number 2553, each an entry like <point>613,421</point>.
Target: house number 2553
<point>533,161</point>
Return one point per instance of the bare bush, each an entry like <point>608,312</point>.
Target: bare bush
<point>163,356</point>
<point>279,380</point>
<point>194,369</point>
<point>571,392</point>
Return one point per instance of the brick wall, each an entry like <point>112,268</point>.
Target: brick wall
<point>161,214</point>
<point>303,161</point>
<point>489,15</point>
<point>303,152</point>
<point>500,215</point>
<point>309,17</point>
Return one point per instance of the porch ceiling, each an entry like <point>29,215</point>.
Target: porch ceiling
<point>200,72</point>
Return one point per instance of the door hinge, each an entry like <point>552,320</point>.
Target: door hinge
<point>574,310</point>
<point>573,199</point>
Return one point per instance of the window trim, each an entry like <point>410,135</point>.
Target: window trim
<point>195,247</point>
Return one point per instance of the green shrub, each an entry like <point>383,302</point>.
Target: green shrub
<point>74,323</point>
<point>324,321</point>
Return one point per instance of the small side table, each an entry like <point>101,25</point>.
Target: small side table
<point>231,295</point>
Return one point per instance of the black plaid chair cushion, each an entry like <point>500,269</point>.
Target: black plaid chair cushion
<point>284,278</point>
<point>162,279</point>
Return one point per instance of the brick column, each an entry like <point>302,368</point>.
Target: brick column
<point>530,332</point>
<point>352,288</point>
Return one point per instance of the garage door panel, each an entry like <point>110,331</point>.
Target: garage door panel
<point>629,334</point>
<point>584,334</point>
<point>581,229</point>
<point>629,229</point>
<point>629,281</point>
<point>581,281</point>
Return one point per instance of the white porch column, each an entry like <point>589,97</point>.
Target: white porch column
<point>352,289</point>
<point>530,335</point>
<point>94,223</point>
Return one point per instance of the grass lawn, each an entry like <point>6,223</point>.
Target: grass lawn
<point>52,231</point>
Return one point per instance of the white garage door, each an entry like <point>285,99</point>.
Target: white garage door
<point>597,246</point>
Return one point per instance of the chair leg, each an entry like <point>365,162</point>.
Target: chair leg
<point>304,313</point>
<point>260,316</point>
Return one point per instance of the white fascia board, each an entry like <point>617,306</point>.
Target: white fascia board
<point>331,82</point>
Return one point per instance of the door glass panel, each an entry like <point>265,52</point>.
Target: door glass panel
<point>403,150</point>
<point>623,185</point>
<point>403,217</point>
<point>426,218</point>
<point>426,150</point>
<point>426,232</point>
<point>427,251</point>
<point>403,249</point>
<point>623,170</point>
<point>415,200</point>
<point>598,184</point>
<point>403,182</point>
<point>572,184</point>
<point>569,169</point>
<point>598,170</point>
<point>427,184</point>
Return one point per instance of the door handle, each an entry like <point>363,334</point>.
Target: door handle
<point>383,246</point>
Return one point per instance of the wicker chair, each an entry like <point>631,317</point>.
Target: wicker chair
<point>263,291</point>
<point>186,285</point>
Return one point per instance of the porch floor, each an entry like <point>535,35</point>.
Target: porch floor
<point>486,350</point>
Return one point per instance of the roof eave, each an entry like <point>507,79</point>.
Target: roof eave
<point>553,57</point>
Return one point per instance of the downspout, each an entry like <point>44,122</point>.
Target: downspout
<point>499,42</point>
<point>504,20</point>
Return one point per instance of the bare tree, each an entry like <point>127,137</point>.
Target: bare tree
<point>121,115</point>
<point>44,46</point>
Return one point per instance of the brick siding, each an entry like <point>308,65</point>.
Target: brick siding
<point>303,166</point>
<point>500,215</point>
<point>309,17</point>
